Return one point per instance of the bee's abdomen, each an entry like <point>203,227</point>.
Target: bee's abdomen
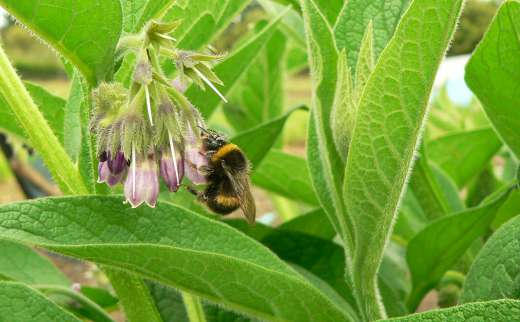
<point>223,204</point>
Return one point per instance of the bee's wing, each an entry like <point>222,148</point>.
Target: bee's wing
<point>241,185</point>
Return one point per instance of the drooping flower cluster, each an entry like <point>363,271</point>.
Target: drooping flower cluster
<point>151,129</point>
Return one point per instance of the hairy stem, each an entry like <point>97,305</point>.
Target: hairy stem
<point>40,134</point>
<point>193,308</point>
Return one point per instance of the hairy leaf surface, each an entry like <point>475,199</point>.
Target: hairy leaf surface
<point>493,74</point>
<point>495,274</point>
<point>445,241</point>
<point>20,303</point>
<point>166,244</point>
<point>390,119</point>
<point>69,26</point>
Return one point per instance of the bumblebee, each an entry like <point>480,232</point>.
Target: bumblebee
<point>227,175</point>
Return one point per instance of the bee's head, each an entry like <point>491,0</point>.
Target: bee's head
<point>212,140</point>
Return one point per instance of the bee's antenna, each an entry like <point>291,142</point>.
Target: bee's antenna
<point>203,129</point>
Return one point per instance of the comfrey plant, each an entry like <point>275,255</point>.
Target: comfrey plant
<point>402,195</point>
<point>133,148</point>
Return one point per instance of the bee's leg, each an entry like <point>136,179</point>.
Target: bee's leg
<point>199,194</point>
<point>205,170</point>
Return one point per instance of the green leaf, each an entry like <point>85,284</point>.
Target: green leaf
<point>72,123</point>
<point>292,23</point>
<point>495,273</point>
<point>510,209</point>
<point>276,174</point>
<point>354,19</point>
<point>257,141</point>
<point>202,20</point>
<point>154,9</point>
<point>231,69</point>
<point>464,155</point>
<point>69,26</point>
<point>258,97</point>
<point>20,303</point>
<point>390,117</point>
<point>493,74</point>
<point>325,163</point>
<point>21,263</point>
<point>496,311</point>
<point>161,244</point>
<point>313,223</point>
<point>445,241</point>
<point>320,257</point>
<point>52,107</point>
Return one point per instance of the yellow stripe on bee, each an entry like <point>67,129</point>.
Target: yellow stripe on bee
<point>227,201</point>
<point>223,151</point>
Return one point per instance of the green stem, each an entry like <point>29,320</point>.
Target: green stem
<point>193,308</point>
<point>40,134</point>
<point>97,313</point>
<point>134,296</point>
<point>367,297</point>
<point>5,170</point>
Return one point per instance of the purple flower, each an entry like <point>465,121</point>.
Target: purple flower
<point>172,167</point>
<point>142,183</point>
<point>194,158</point>
<point>118,163</point>
<point>105,175</point>
<point>112,170</point>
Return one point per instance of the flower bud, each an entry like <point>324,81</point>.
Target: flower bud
<point>142,183</point>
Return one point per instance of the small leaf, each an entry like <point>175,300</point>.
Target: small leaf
<point>495,273</point>
<point>258,96</point>
<point>202,20</point>
<point>356,16</point>
<point>69,26</point>
<point>493,73</point>
<point>391,114</point>
<point>445,241</point>
<point>276,174</point>
<point>161,244</point>
<point>22,264</point>
<point>496,311</point>
<point>20,303</point>
<point>464,155</point>
<point>231,68</point>
<point>72,124</point>
<point>52,107</point>
<point>257,141</point>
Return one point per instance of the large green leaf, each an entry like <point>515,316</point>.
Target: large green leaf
<point>354,19</point>
<point>52,108</point>
<point>21,263</point>
<point>258,97</point>
<point>325,163</point>
<point>276,174</point>
<point>20,303</point>
<point>445,241</point>
<point>70,26</point>
<point>496,311</point>
<point>231,68</point>
<point>493,73</point>
<point>464,155</point>
<point>390,118</point>
<point>495,274</point>
<point>202,20</point>
<point>161,244</point>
